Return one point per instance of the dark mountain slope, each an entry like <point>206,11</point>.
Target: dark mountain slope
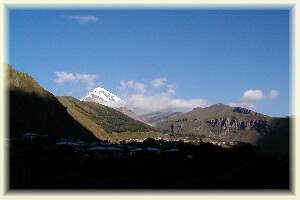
<point>278,140</point>
<point>34,109</point>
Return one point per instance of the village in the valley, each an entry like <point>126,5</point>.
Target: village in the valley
<point>70,148</point>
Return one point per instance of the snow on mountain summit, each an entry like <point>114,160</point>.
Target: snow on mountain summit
<point>100,95</point>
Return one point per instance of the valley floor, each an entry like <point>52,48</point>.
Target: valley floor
<point>210,167</point>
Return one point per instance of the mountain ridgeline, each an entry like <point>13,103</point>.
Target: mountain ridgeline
<point>156,117</point>
<point>34,109</point>
<point>149,118</point>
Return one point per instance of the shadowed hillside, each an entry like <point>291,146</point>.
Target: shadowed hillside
<point>278,140</point>
<point>34,109</point>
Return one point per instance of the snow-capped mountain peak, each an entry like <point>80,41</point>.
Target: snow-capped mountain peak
<point>100,95</point>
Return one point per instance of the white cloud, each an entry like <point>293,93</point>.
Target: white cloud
<point>83,19</point>
<point>171,89</point>
<point>63,77</point>
<point>159,82</point>
<point>257,95</point>
<point>250,97</point>
<point>125,84</point>
<point>253,95</point>
<point>141,103</point>
<point>188,104</point>
<point>138,87</point>
<point>146,102</point>
<point>273,94</point>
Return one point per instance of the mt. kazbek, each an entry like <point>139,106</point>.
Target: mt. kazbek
<point>100,95</point>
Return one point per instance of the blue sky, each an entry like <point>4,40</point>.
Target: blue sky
<point>158,59</point>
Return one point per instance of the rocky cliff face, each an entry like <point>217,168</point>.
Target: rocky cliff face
<point>234,124</point>
<point>224,125</point>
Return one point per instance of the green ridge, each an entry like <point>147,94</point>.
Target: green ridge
<point>274,133</point>
<point>102,117</point>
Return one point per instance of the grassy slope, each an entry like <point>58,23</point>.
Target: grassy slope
<point>216,111</point>
<point>84,120</point>
<point>219,111</point>
<point>19,81</point>
<point>101,117</point>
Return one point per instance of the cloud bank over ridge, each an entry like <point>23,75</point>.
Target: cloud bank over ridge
<point>142,98</point>
<point>157,95</point>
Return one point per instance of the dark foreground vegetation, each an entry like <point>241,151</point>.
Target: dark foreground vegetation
<point>202,166</point>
